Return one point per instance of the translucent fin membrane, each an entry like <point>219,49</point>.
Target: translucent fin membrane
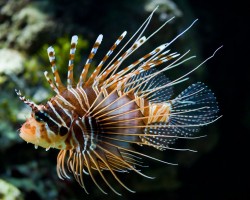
<point>161,95</point>
<point>194,107</point>
<point>198,105</point>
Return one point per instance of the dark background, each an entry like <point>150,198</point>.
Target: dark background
<point>223,171</point>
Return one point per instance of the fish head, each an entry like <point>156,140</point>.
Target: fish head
<point>41,130</point>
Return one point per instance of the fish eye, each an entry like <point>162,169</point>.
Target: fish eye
<point>41,116</point>
<point>63,131</point>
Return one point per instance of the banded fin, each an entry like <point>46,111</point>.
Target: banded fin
<point>93,51</point>
<point>73,44</point>
<point>147,65</point>
<point>139,61</point>
<point>139,34</point>
<point>53,87</point>
<point>52,59</point>
<point>112,69</point>
<point>26,101</point>
<point>108,54</point>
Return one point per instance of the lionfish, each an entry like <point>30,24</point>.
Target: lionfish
<point>96,122</point>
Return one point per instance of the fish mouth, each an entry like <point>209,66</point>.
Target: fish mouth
<point>28,133</point>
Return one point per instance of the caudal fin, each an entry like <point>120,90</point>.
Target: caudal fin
<point>196,106</point>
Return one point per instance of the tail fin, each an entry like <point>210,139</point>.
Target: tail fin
<point>194,107</point>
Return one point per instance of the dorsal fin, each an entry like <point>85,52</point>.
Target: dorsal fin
<point>71,61</point>
<point>52,59</point>
<point>85,70</point>
<point>98,68</point>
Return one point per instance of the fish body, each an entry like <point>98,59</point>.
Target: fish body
<point>96,122</point>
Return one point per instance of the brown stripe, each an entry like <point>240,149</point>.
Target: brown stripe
<point>91,55</point>
<point>71,56</point>
<point>97,44</point>
<point>113,47</point>
<point>70,67</point>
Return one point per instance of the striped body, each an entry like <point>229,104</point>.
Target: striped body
<point>70,107</point>
<point>96,122</point>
